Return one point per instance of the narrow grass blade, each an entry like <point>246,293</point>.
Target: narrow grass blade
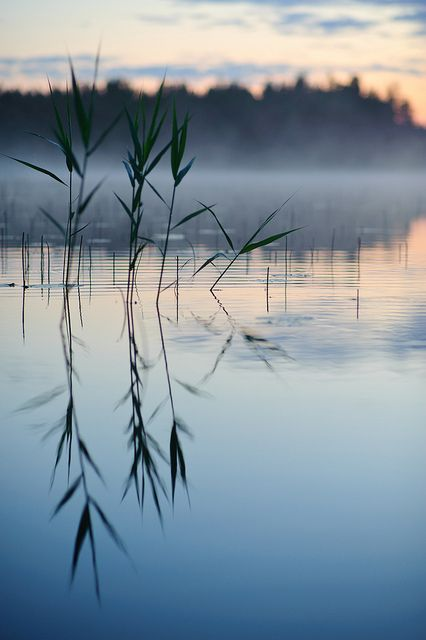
<point>129,172</point>
<point>49,140</point>
<point>228,239</point>
<point>153,129</point>
<point>67,495</point>
<point>150,241</point>
<point>41,399</point>
<point>77,231</point>
<point>157,158</point>
<point>183,136</point>
<point>124,205</point>
<point>59,123</point>
<point>269,219</point>
<point>182,173</point>
<point>193,389</point>
<point>53,221</point>
<point>83,530</point>
<point>89,459</point>
<point>194,214</point>
<point>36,168</point>
<point>157,193</point>
<point>262,243</point>
<point>210,260</point>
<point>135,136</point>
<point>111,530</point>
<point>90,196</point>
<point>173,459</point>
<point>174,157</point>
<point>82,117</point>
<point>105,134</point>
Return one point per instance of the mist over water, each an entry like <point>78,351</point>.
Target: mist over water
<point>333,207</point>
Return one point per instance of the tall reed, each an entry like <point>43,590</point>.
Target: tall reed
<point>78,198</point>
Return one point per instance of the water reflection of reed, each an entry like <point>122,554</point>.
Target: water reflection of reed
<point>149,462</point>
<point>146,450</point>
<point>71,439</point>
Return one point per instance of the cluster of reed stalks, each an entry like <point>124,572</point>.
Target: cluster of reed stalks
<point>143,158</point>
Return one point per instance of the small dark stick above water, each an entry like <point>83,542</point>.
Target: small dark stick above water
<point>267,289</point>
<point>177,288</point>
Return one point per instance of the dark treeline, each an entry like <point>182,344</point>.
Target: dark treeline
<point>291,126</point>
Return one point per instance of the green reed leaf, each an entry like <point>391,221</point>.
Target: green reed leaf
<point>152,138</point>
<point>157,158</point>
<point>269,219</point>
<point>105,134</point>
<point>183,137</point>
<point>59,123</point>
<point>77,231</point>
<point>194,214</point>
<point>124,205</point>
<point>82,117</point>
<point>220,254</point>
<point>182,173</point>
<point>48,140</point>
<point>262,243</point>
<point>153,242</point>
<point>157,193</point>
<point>129,172</point>
<point>134,132</point>
<point>64,145</point>
<point>156,110</point>
<point>174,156</point>
<point>36,168</point>
<point>136,201</point>
<point>228,239</point>
<point>87,200</point>
<point>57,224</point>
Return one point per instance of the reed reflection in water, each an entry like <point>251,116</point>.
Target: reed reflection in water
<point>306,480</point>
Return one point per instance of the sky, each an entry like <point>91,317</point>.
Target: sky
<point>204,42</point>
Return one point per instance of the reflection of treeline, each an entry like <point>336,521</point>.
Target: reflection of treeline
<point>290,125</point>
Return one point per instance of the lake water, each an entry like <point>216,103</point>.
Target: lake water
<point>303,434</point>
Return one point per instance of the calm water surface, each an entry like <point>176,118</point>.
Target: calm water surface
<point>305,448</point>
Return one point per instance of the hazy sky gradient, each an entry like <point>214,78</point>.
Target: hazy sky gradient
<point>204,42</point>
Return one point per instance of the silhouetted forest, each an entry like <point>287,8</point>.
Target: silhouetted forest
<point>293,126</point>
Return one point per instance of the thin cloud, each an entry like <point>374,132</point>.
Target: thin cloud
<point>413,16</point>
<point>199,18</point>
<point>343,24</point>
<point>49,59</point>
<point>54,66</point>
<point>312,22</point>
<point>227,71</point>
<point>159,19</point>
<point>299,17</point>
